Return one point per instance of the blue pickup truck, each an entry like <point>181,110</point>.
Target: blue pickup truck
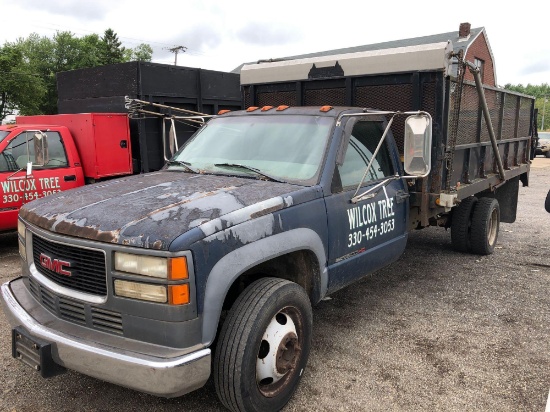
<point>211,266</point>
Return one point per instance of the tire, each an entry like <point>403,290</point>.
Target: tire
<point>461,225</point>
<point>263,346</point>
<point>547,202</point>
<point>485,226</point>
<point>547,154</point>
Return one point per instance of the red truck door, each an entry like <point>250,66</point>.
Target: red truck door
<point>53,171</point>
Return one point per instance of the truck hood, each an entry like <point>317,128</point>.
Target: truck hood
<point>151,210</point>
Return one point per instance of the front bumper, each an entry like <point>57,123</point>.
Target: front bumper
<point>167,377</point>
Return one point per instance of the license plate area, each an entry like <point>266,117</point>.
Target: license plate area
<point>34,352</point>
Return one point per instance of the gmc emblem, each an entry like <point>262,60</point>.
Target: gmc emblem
<point>55,265</point>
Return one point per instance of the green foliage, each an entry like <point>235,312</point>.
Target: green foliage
<point>540,92</point>
<point>142,53</point>
<point>28,66</point>
<point>111,50</point>
<point>21,87</point>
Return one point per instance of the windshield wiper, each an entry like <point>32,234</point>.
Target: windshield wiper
<point>252,169</point>
<point>183,164</point>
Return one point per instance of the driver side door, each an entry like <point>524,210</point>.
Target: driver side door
<point>371,233</point>
<point>51,172</point>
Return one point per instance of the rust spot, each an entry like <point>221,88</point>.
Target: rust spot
<point>266,211</point>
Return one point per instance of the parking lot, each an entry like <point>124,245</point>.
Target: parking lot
<point>437,330</point>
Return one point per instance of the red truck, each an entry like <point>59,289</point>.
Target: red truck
<point>66,151</point>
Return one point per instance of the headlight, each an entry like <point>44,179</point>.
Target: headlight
<point>154,266</point>
<point>21,239</point>
<point>21,229</point>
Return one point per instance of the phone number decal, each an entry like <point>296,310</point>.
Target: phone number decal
<point>371,232</point>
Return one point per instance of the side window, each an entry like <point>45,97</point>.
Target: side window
<point>362,144</point>
<point>44,152</point>
<point>55,155</point>
<point>14,156</point>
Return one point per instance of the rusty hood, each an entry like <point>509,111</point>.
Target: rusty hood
<point>151,210</point>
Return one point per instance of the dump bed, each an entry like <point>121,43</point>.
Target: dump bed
<point>413,78</point>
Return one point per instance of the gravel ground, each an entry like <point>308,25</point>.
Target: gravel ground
<point>437,330</point>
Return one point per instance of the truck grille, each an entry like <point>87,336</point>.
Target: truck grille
<point>87,267</point>
<point>77,312</point>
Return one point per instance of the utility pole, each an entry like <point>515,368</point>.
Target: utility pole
<point>176,50</point>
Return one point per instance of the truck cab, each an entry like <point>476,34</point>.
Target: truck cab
<point>259,216</point>
<point>55,167</point>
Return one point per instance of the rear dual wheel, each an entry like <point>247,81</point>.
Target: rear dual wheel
<point>475,225</point>
<point>485,226</point>
<point>263,346</point>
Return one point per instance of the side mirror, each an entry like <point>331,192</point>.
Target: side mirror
<point>40,148</point>
<point>418,145</point>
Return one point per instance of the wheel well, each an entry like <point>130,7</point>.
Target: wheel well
<point>300,267</point>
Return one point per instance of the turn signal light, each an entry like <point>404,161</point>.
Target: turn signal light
<point>178,268</point>
<point>178,294</point>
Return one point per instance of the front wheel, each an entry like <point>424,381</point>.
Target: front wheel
<point>485,226</point>
<point>263,346</point>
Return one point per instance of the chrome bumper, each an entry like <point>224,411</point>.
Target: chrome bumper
<point>169,377</point>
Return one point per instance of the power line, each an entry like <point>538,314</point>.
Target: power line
<point>131,40</point>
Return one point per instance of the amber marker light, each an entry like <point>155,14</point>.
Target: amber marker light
<point>252,108</point>
<point>177,268</point>
<point>325,108</point>
<point>178,294</point>
<point>223,112</point>
<point>282,107</point>
<point>266,108</point>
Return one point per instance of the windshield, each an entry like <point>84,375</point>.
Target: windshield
<point>287,148</point>
<point>3,134</point>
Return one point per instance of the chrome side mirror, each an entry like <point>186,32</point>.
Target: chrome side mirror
<point>418,145</point>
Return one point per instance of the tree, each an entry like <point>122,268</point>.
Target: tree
<point>20,87</point>
<point>28,66</point>
<point>111,50</point>
<point>540,92</point>
<point>142,53</point>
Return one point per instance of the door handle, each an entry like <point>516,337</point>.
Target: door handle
<point>69,178</point>
<point>401,196</point>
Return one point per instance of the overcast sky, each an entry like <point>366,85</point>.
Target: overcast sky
<point>220,35</point>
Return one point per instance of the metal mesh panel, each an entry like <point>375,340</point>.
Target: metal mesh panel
<point>468,117</point>
<point>247,97</point>
<point>277,99</point>
<point>509,116</point>
<point>321,97</point>
<point>428,98</point>
<point>494,102</point>
<point>524,117</point>
<point>388,97</point>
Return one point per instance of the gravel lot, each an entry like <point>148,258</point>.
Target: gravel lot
<point>437,330</point>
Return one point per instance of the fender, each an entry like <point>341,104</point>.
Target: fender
<point>248,256</point>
